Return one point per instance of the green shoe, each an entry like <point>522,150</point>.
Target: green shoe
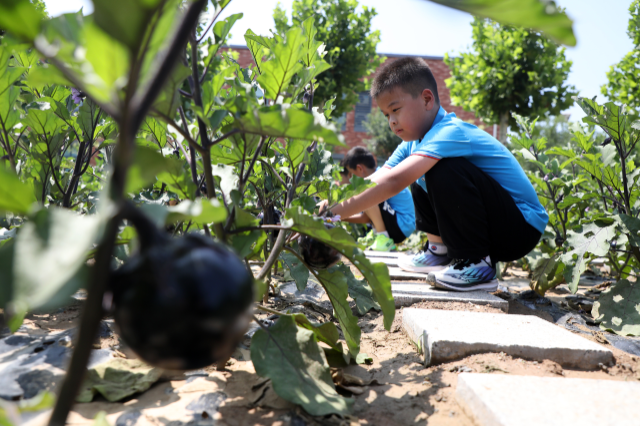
<point>382,243</point>
<point>368,239</point>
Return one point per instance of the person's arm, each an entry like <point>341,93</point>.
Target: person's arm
<point>389,183</point>
<point>357,218</point>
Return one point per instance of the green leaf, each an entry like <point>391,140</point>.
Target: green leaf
<point>168,100</point>
<point>618,309</point>
<point>201,211</point>
<point>356,186</point>
<point>277,72</point>
<point>546,272</point>
<point>178,180</point>
<point>283,121</point>
<point>117,379</point>
<point>335,284</point>
<point>376,274</point>
<point>147,163</point>
<point>326,332</point>
<point>20,18</point>
<point>124,20</point>
<point>590,239</point>
<point>15,196</point>
<point>541,15</point>
<point>156,129</point>
<point>57,241</point>
<point>359,290</point>
<point>291,357</point>
<point>296,268</point>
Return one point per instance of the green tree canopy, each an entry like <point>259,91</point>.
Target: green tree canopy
<point>349,42</point>
<point>510,70</point>
<point>624,77</point>
<point>383,141</point>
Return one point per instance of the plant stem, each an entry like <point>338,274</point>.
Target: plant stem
<point>91,317</point>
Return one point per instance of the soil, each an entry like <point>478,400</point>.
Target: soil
<point>396,389</point>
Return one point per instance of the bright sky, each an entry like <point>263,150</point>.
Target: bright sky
<point>420,27</point>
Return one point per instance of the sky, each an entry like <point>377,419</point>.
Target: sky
<point>418,27</point>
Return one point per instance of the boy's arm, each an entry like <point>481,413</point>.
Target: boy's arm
<point>389,183</point>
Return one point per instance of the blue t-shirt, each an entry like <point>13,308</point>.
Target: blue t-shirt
<point>402,204</point>
<point>452,137</point>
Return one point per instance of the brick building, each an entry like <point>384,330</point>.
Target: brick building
<point>353,122</point>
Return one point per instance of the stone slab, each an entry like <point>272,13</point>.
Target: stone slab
<point>396,273</point>
<point>408,293</point>
<point>506,400</point>
<point>445,336</point>
<point>391,254</point>
<point>389,261</point>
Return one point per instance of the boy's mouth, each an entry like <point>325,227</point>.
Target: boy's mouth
<point>398,132</point>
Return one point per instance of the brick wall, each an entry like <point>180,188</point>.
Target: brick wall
<point>356,138</point>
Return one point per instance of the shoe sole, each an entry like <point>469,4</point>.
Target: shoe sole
<point>489,286</point>
<point>423,269</point>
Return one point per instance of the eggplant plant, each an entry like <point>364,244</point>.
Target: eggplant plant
<point>591,191</point>
<point>135,141</point>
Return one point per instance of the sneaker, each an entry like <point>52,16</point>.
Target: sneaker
<point>424,261</point>
<point>382,243</point>
<point>466,275</point>
<point>368,239</point>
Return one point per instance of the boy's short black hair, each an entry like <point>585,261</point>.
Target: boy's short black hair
<point>412,75</point>
<point>359,155</point>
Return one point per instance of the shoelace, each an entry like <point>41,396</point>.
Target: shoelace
<point>460,264</point>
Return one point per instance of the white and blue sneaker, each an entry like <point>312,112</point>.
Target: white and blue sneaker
<point>466,275</point>
<point>425,261</point>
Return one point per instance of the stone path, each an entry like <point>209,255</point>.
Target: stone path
<point>505,400</point>
<point>407,293</point>
<point>450,335</point>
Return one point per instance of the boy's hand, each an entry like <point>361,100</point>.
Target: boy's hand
<point>322,206</point>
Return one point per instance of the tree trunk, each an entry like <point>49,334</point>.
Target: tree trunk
<point>504,125</point>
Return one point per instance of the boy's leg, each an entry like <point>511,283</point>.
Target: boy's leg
<point>375,217</point>
<point>433,257</point>
<point>476,218</point>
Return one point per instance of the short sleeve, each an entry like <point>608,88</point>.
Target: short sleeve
<point>444,142</point>
<point>401,152</point>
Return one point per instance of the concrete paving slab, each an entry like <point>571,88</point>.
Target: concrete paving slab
<point>450,335</point>
<point>396,273</point>
<point>391,254</point>
<point>505,400</point>
<point>408,293</point>
<point>389,261</point>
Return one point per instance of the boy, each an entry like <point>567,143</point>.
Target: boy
<point>471,196</point>
<point>394,219</point>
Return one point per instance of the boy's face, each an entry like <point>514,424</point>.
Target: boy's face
<point>410,118</point>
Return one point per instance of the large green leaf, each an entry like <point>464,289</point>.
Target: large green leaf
<point>291,357</point>
<point>147,164</point>
<point>546,270</point>
<point>541,15</point>
<point>21,18</point>
<point>590,238</point>
<point>57,241</point>
<point>296,268</point>
<point>124,20</point>
<point>376,274</point>
<point>200,211</point>
<point>335,284</point>
<point>15,196</point>
<point>618,309</point>
<point>277,72</point>
<point>283,121</point>
<point>359,290</point>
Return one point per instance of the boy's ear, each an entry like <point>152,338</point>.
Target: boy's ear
<point>429,99</point>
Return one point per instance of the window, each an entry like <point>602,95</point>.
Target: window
<point>363,109</point>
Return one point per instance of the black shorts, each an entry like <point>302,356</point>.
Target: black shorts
<point>391,222</point>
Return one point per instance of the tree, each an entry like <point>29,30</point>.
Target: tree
<point>510,70</point>
<point>622,85</point>
<point>383,141</point>
<point>350,44</point>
